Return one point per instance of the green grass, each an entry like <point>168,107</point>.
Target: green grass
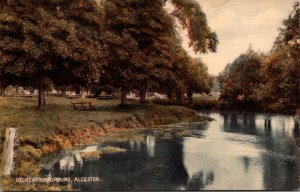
<point>37,127</point>
<point>198,103</point>
<point>60,117</point>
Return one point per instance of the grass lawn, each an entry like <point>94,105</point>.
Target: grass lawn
<point>60,117</point>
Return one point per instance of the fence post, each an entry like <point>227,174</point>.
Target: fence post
<point>8,151</point>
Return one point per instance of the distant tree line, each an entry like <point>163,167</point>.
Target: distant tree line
<point>112,45</point>
<point>267,81</point>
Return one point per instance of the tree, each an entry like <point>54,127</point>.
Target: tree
<point>186,76</point>
<point>241,78</point>
<point>51,41</point>
<point>139,41</point>
<point>191,17</point>
<point>289,33</point>
<point>142,43</point>
<point>287,51</point>
<point>173,84</point>
<point>281,78</point>
<point>274,86</point>
<point>281,69</point>
<point>198,79</point>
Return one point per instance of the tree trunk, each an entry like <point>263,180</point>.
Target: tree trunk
<point>77,90</point>
<point>179,96</point>
<point>64,92</point>
<point>42,94</point>
<point>170,95</point>
<point>124,97</point>
<point>190,97</point>
<point>143,93</point>
<point>2,91</point>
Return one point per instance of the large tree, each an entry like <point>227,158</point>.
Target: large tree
<point>142,38</point>
<point>139,43</point>
<point>281,69</point>
<point>51,41</point>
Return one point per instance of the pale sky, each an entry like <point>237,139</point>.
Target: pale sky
<point>240,23</point>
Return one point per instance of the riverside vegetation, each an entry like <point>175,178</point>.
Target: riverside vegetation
<point>41,133</point>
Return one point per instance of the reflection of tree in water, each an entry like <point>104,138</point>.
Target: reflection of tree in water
<point>246,161</point>
<point>199,181</point>
<point>165,171</point>
<point>268,124</point>
<point>136,170</point>
<point>280,174</point>
<point>296,130</point>
<point>280,166</point>
<point>280,162</point>
<point>239,123</point>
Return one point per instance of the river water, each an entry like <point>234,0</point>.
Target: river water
<point>236,151</point>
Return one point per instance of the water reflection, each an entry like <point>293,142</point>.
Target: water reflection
<point>297,129</point>
<point>234,122</point>
<point>200,181</point>
<point>236,151</point>
<point>150,143</point>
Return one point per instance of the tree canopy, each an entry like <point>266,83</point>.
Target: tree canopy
<point>144,47</point>
<point>58,41</point>
<point>241,78</point>
<point>128,45</point>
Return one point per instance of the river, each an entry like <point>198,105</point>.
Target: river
<point>236,151</point>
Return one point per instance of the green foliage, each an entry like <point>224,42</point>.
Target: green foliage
<point>242,78</point>
<point>281,72</point>
<point>208,104</point>
<point>145,52</point>
<point>186,77</point>
<point>282,66</point>
<point>55,40</point>
<point>191,16</point>
<point>198,79</point>
<point>289,32</point>
<point>197,103</point>
<point>139,43</point>
<point>42,41</point>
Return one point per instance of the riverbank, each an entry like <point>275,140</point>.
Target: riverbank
<point>213,103</point>
<point>61,127</point>
<point>153,160</point>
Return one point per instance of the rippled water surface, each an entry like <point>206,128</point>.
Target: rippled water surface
<point>236,151</point>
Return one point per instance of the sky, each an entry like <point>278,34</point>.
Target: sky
<point>239,24</point>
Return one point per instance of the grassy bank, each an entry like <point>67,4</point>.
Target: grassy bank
<point>61,127</point>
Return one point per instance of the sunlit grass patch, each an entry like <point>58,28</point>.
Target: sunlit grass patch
<point>91,154</point>
<point>111,150</point>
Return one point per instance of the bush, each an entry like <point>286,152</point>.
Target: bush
<point>205,104</point>
<point>169,102</point>
<point>198,103</point>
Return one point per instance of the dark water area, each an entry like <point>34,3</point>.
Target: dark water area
<point>237,151</point>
